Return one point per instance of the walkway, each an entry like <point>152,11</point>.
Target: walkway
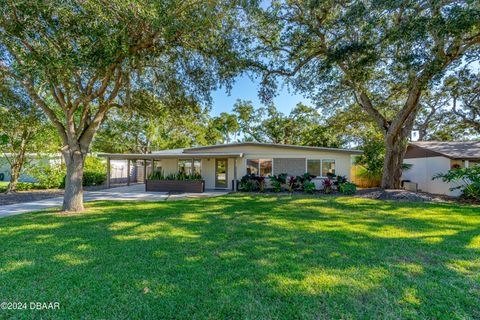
<point>127,193</point>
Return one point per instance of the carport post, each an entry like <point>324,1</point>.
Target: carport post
<point>128,172</point>
<point>108,172</point>
<point>145,171</point>
<point>235,174</point>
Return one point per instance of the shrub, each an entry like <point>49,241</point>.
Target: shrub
<point>92,178</point>
<point>261,183</point>
<point>468,180</point>
<point>305,177</point>
<point>47,175</point>
<point>327,185</point>
<point>291,183</point>
<point>303,180</point>
<point>278,181</point>
<point>340,180</point>
<point>94,172</point>
<point>248,183</point>
<point>248,186</point>
<point>308,187</point>
<point>26,186</point>
<point>252,182</point>
<point>347,188</point>
<point>371,161</point>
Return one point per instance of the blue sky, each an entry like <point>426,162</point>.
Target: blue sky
<point>245,88</point>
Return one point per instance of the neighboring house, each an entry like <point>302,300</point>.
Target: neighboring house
<point>221,165</point>
<point>31,160</point>
<point>429,158</point>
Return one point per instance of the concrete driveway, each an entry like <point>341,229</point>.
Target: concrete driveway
<point>126,193</point>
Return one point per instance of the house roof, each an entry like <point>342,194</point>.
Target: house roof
<point>215,151</point>
<point>452,149</point>
<point>167,155</point>
<point>276,145</point>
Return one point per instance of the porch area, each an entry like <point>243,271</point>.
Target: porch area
<point>219,171</point>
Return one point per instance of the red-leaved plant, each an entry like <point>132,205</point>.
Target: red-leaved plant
<point>291,183</point>
<point>327,185</point>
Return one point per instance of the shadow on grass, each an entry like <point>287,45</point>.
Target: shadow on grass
<point>248,257</point>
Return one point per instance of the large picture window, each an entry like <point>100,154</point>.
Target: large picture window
<point>190,166</point>
<point>314,167</point>
<point>252,166</point>
<point>320,168</point>
<point>262,167</point>
<point>265,167</point>
<point>328,167</point>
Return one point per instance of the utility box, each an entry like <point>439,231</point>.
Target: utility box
<point>410,186</point>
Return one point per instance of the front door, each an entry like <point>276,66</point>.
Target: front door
<point>221,176</point>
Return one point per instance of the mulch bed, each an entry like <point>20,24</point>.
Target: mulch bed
<point>403,195</point>
<point>27,196</point>
<point>380,194</point>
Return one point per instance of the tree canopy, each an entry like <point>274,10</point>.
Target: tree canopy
<point>381,55</point>
<point>78,60</point>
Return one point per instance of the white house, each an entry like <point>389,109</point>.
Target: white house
<point>429,158</point>
<point>31,159</point>
<point>221,165</point>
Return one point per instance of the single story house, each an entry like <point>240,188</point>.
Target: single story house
<point>221,165</point>
<point>429,158</point>
<point>31,159</point>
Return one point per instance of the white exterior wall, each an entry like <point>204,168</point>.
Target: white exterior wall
<point>342,161</point>
<point>208,172</point>
<point>169,166</point>
<point>424,169</point>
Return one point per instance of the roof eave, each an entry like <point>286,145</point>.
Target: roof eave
<point>351,151</point>
<point>150,156</point>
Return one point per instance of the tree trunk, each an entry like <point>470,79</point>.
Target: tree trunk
<point>73,197</point>
<point>17,164</point>
<point>14,176</point>
<point>392,166</point>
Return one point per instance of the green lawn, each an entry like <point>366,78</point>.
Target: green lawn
<point>248,257</point>
<point>3,186</point>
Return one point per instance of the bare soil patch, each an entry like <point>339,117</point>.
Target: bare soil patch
<point>28,196</point>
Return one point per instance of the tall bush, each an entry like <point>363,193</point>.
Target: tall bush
<point>95,172</point>
<point>47,175</point>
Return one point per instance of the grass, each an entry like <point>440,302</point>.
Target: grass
<point>3,186</point>
<point>250,257</point>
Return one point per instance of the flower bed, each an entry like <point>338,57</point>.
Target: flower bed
<point>296,184</point>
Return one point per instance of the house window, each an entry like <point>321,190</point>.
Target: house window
<point>252,166</point>
<point>320,168</point>
<point>189,166</point>
<point>313,167</point>
<point>158,166</point>
<point>328,167</point>
<point>261,167</point>
<point>197,166</point>
<point>265,167</point>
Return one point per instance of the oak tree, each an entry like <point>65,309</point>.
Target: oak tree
<point>380,54</point>
<point>79,59</point>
